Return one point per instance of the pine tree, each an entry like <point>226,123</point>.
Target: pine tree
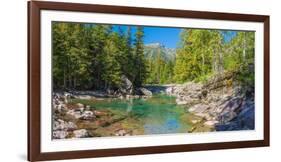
<point>112,67</point>
<point>199,55</point>
<point>139,60</point>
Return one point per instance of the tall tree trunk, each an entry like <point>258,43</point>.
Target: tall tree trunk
<point>74,82</point>
<point>203,63</point>
<point>244,48</point>
<point>215,61</point>
<point>220,62</point>
<point>70,81</point>
<point>98,77</point>
<point>64,78</point>
<point>158,66</point>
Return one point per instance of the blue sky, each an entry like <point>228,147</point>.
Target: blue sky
<point>168,36</point>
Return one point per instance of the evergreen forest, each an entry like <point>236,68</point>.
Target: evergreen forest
<point>91,56</point>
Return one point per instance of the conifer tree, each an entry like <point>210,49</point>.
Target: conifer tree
<point>139,60</point>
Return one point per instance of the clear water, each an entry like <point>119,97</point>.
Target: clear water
<point>158,115</point>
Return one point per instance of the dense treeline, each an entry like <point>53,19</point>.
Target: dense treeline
<point>203,53</point>
<point>96,56</point>
<point>87,56</point>
<point>160,71</point>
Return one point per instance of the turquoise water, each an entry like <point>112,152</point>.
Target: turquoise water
<point>157,115</point>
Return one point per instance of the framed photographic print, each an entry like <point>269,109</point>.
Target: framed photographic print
<point>115,80</point>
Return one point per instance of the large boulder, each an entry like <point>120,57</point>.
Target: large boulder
<point>126,86</point>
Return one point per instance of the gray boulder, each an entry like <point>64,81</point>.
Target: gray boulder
<point>126,85</point>
<point>81,133</point>
<point>144,91</point>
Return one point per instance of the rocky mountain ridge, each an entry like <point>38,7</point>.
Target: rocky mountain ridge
<point>153,49</point>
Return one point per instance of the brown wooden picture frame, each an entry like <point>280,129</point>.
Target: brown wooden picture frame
<point>34,136</point>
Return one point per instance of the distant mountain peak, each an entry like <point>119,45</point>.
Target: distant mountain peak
<point>152,49</point>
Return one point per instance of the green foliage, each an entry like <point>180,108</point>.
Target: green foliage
<point>89,56</point>
<point>160,69</point>
<point>198,55</point>
<point>139,61</point>
<point>70,55</point>
<point>203,53</point>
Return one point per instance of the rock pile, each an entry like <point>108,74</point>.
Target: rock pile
<point>79,121</point>
<point>68,129</point>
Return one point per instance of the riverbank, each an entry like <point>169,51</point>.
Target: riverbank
<point>220,102</point>
<point>75,117</point>
<point>158,114</point>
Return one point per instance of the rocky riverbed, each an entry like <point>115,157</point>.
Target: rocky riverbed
<point>72,119</point>
<point>220,104</point>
